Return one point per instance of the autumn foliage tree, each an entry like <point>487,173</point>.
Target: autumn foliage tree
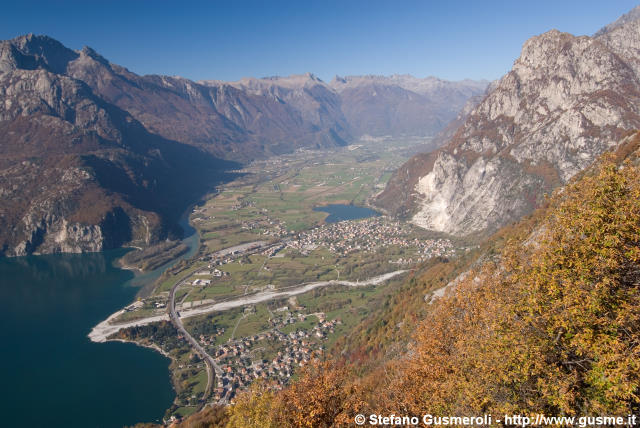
<point>553,327</point>
<point>254,408</point>
<point>324,396</point>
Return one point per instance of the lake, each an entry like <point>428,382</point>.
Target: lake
<point>54,376</point>
<point>341,212</point>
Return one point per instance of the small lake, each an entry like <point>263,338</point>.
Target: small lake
<point>341,212</point>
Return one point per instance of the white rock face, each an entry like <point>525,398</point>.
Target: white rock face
<point>54,234</point>
<point>566,101</point>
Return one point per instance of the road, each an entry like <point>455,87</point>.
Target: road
<point>213,369</point>
<point>105,329</point>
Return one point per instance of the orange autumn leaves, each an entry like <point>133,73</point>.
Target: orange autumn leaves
<point>552,327</point>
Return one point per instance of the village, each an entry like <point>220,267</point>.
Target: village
<point>371,235</point>
<point>262,236</point>
<point>272,355</point>
<point>268,226</point>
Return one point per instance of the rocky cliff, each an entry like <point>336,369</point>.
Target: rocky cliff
<point>566,100</point>
<point>77,173</point>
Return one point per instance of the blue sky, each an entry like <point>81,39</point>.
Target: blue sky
<point>227,40</point>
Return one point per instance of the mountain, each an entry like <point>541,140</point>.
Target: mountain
<point>566,100</point>
<point>632,15</point>
<point>224,119</point>
<point>220,118</point>
<point>402,104</point>
<point>93,156</point>
<point>297,108</point>
<point>77,173</point>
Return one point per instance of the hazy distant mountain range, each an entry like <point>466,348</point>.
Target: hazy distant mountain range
<point>368,105</point>
<point>94,156</point>
<point>566,100</point>
<point>402,104</point>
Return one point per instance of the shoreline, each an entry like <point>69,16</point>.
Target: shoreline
<point>165,354</point>
<point>150,346</point>
<point>103,330</point>
<point>105,325</point>
<point>118,263</point>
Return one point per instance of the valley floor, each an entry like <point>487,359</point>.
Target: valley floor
<point>273,284</point>
<point>106,328</point>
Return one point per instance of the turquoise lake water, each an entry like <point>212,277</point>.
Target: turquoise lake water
<point>341,212</point>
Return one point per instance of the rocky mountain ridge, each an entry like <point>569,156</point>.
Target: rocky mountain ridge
<point>402,104</point>
<point>93,156</point>
<point>566,100</point>
<point>77,173</point>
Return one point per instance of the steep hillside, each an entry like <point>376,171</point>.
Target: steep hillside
<point>218,117</point>
<point>566,100</point>
<point>402,104</point>
<point>306,105</point>
<point>548,326</point>
<point>76,172</point>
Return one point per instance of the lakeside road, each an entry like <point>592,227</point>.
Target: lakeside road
<point>103,330</point>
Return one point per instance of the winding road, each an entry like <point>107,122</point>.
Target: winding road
<point>102,331</point>
<point>213,369</point>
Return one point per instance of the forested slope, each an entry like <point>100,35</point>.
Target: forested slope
<point>549,324</point>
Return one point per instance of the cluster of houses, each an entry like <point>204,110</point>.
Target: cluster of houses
<point>210,340</point>
<point>272,251</point>
<point>271,226</point>
<point>219,261</point>
<point>241,364</point>
<point>242,203</point>
<point>371,234</point>
<point>200,214</point>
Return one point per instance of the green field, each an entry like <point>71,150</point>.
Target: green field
<point>273,201</point>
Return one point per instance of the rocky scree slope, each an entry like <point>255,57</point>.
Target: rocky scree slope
<point>566,100</point>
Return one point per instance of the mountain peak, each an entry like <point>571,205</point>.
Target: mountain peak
<point>91,53</point>
<point>31,51</point>
<point>632,15</point>
<point>566,100</point>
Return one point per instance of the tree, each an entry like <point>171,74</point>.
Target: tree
<point>253,408</point>
<point>554,327</point>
